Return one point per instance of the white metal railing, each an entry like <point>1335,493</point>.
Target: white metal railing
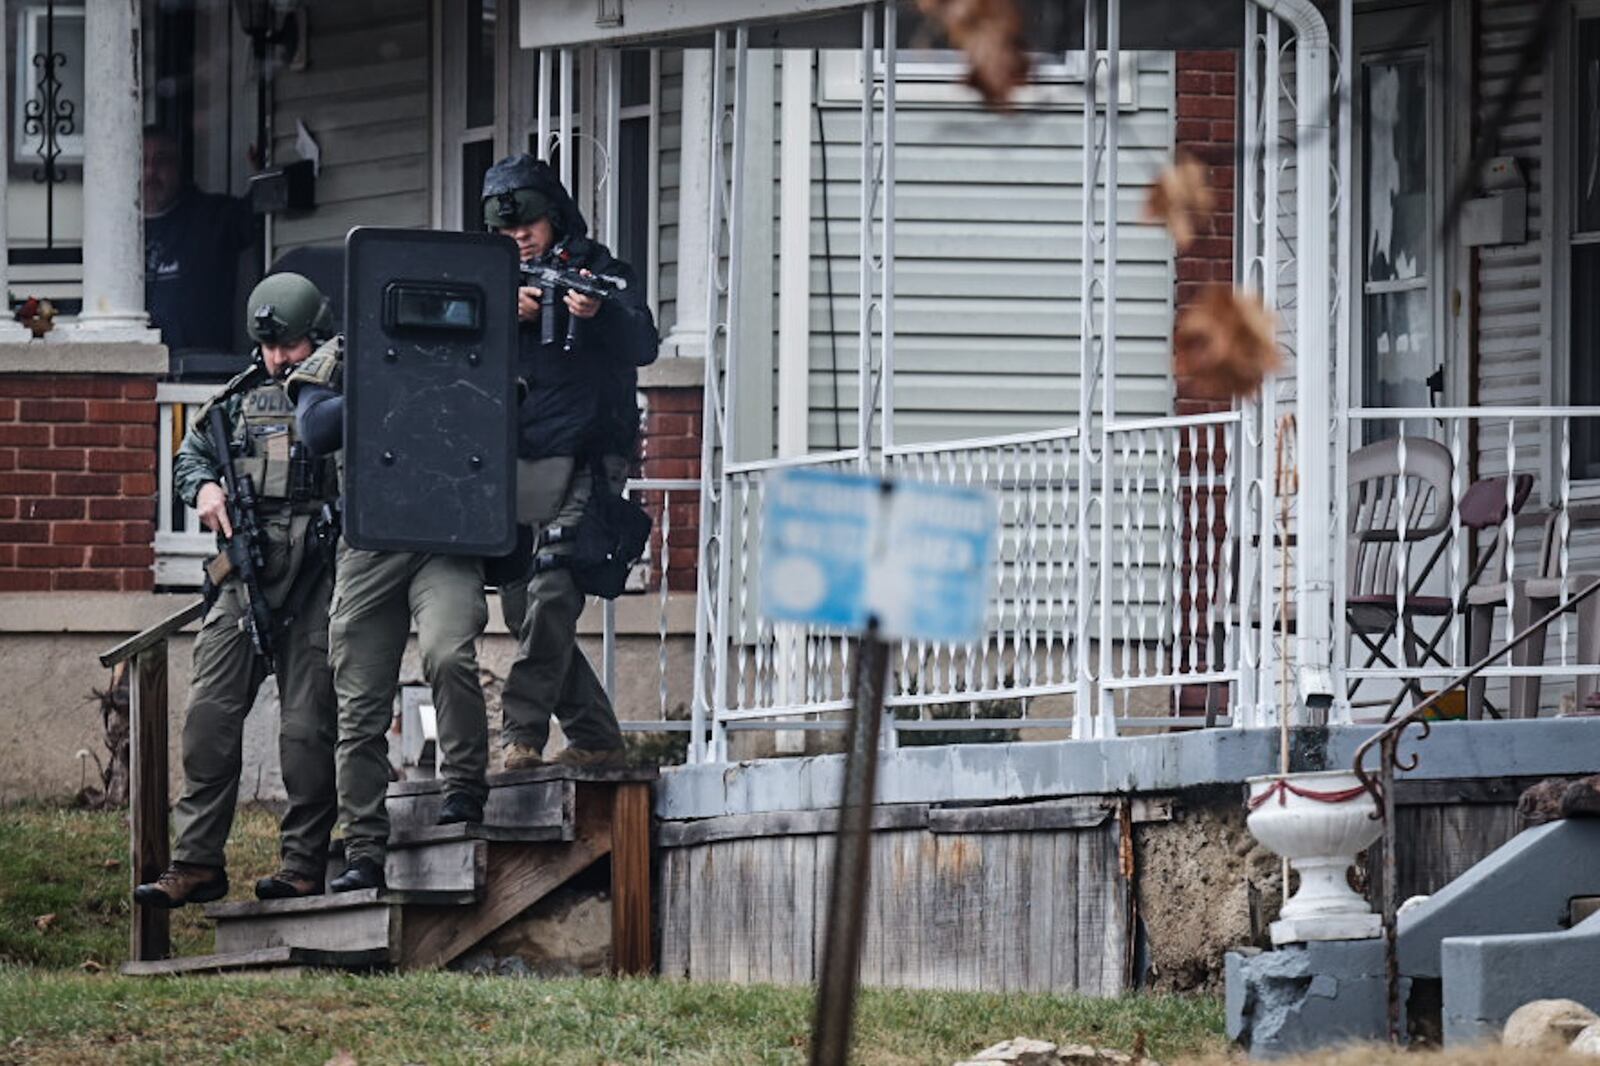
<point>1527,540</point>
<point>182,544</point>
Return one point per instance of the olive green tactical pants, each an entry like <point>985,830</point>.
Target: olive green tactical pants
<point>378,596</point>
<point>227,674</point>
<point>550,675</point>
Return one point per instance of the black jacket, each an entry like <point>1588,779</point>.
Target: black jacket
<point>584,401</point>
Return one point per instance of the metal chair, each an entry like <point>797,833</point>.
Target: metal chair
<point>1531,597</point>
<point>1399,498</point>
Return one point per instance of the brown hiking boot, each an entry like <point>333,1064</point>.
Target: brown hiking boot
<point>591,758</point>
<point>522,757</point>
<point>181,883</point>
<point>288,884</point>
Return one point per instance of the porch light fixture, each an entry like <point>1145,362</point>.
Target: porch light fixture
<point>267,22</point>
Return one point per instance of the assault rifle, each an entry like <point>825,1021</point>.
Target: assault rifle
<point>244,548</point>
<point>550,274</point>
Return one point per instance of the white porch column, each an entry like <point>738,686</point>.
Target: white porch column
<point>113,220</point>
<point>688,334</point>
<point>10,329</point>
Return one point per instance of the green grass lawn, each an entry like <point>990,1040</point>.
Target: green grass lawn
<point>73,864</point>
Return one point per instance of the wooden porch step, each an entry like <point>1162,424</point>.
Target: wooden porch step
<point>272,960</point>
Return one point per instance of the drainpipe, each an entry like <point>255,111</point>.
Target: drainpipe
<point>1317,533</point>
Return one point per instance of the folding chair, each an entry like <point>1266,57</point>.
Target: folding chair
<point>1399,498</point>
<point>1532,597</point>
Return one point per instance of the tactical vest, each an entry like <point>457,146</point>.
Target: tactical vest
<point>267,448</point>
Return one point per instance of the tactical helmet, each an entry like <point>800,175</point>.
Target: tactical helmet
<point>511,193</point>
<point>285,307</point>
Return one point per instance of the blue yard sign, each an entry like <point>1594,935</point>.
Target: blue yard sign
<point>839,550</point>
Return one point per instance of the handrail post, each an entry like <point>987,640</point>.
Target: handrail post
<point>148,785</point>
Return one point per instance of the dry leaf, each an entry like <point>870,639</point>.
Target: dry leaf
<point>112,864</point>
<point>91,966</point>
<point>990,32</point>
<point>1179,198</point>
<point>1225,344</point>
<point>341,1058</point>
<point>43,922</point>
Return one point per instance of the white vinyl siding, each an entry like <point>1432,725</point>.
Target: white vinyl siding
<point>364,97</point>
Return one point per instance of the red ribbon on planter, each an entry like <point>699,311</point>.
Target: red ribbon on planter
<point>1281,788</point>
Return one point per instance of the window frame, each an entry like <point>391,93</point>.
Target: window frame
<point>29,35</point>
<point>1561,237</point>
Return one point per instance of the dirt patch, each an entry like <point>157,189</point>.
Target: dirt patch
<point>1205,886</point>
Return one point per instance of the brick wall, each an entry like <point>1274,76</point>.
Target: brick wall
<point>1207,107</point>
<point>77,483</point>
<point>673,424</point>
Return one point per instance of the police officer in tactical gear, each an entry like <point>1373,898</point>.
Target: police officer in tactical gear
<point>287,316</point>
<point>379,595</point>
<point>579,427</point>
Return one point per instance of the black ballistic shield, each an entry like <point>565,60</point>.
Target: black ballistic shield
<point>430,391</point>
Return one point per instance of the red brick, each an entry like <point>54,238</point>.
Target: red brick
<point>139,389</point>
<point>51,458</point>
<point>1208,107</point>
<point>24,581</point>
<point>1210,247</point>
<point>8,459</point>
<point>25,484</point>
<point>24,532</point>
<point>122,411</point>
<point>8,509</point>
<point>85,436</point>
<point>29,385</point>
<point>1222,131</point>
<point>1222,61</point>
<point>138,532</point>
<point>1192,81</point>
<point>1222,84</point>
<point>1221,178</point>
<point>138,580</point>
<point>126,555</point>
<point>1192,269</point>
<point>144,436</point>
<point>88,388</point>
<point>48,556</point>
<point>1192,129</point>
<point>8,410</point>
<point>86,581</point>
<point>50,508</point>
<point>115,508</point>
<point>672,468</point>
<point>1198,144</point>
<point>87,485</point>
<point>670,448</point>
<point>1221,270</point>
<point>25,435</point>
<point>103,461</point>
<point>674,401</point>
<point>663,425</point>
<point>85,533</point>
<point>138,484</point>
<point>1190,291</point>
<point>53,410</point>
<point>8,555</point>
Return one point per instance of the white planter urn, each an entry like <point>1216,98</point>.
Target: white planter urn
<point>1320,822</point>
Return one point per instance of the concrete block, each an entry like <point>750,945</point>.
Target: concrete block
<point>1306,996</point>
<point>1489,977</point>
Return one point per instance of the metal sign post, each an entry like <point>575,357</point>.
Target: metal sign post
<point>895,561</point>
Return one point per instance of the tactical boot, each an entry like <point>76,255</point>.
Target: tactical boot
<point>592,758</point>
<point>181,883</point>
<point>288,884</point>
<point>360,873</point>
<point>460,807</point>
<point>522,757</point>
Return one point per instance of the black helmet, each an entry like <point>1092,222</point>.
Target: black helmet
<point>513,192</point>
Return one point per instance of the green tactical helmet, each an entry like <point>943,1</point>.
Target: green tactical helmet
<point>286,307</point>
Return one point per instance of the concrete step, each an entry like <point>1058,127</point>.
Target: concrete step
<point>274,960</point>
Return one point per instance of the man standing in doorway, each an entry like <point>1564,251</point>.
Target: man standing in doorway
<point>579,432</point>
